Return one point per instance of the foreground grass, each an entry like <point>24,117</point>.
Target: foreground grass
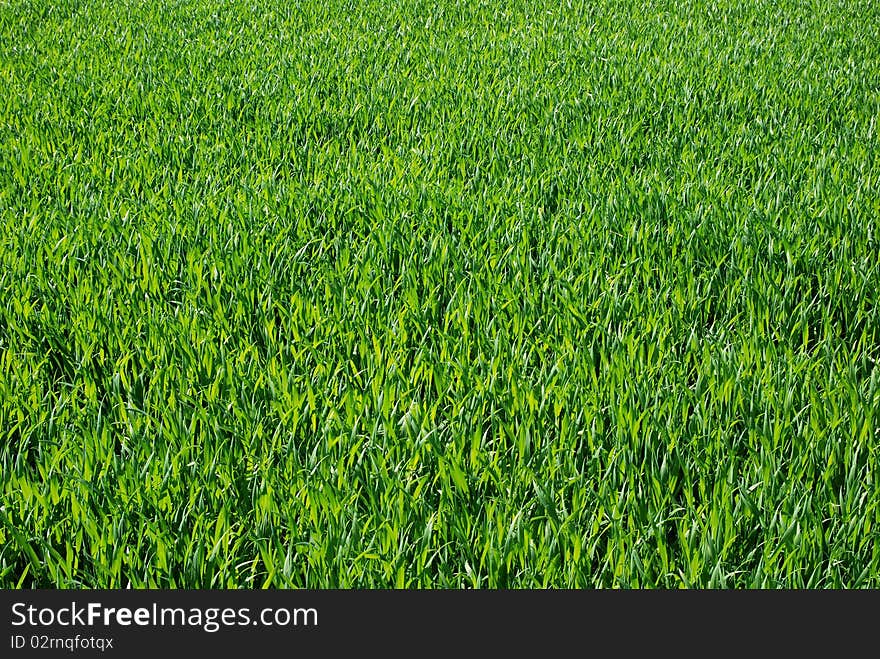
<point>439,294</point>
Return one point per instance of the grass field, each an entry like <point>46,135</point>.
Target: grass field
<point>459,293</point>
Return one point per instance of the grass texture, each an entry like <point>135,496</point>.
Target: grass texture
<point>439,294</point>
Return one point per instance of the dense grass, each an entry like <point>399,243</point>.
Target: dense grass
<point>448,293</point>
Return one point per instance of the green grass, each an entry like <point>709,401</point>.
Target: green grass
<point>485,293</point>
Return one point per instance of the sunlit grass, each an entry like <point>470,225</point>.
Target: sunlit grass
<point>439,294</point>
